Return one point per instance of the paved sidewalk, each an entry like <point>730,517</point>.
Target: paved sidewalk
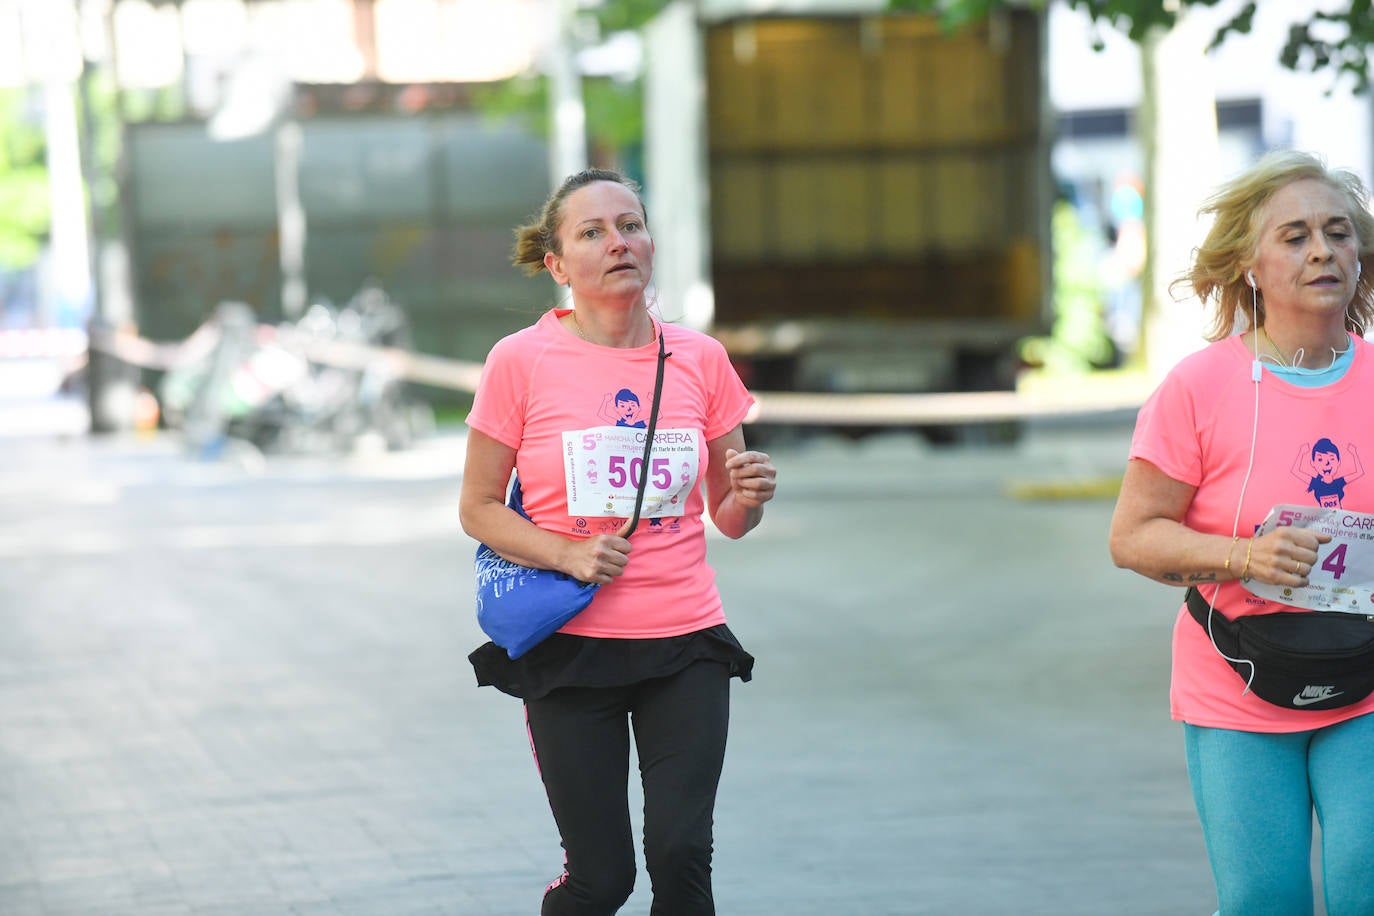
<point>241,688</point>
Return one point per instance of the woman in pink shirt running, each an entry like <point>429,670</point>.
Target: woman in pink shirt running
<point>1213,453</point>
<point>651,653</point>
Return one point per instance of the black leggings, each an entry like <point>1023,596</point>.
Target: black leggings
<point>581,741</point>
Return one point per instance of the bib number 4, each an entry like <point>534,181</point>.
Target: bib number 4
<point>1335,562</point>
<point>1343,577</point>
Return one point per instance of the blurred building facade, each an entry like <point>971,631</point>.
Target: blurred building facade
<point>392,174</point>
<point>399,178</point>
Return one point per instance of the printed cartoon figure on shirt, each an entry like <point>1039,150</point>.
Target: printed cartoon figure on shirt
<point>1318,465</point>
<point>622,409</point>
<point>604,464</point>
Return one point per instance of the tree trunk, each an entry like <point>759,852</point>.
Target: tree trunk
<point>567,113</point>
<point>1177,127</point>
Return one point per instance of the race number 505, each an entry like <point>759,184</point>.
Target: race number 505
<point>620,470</point>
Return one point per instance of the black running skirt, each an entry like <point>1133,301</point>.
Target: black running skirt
<point>564,660</point>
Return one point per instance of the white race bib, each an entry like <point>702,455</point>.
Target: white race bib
<point>1342,579</point>
<point>602,467</point>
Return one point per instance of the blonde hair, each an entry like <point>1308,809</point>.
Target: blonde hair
<point>539,237</point>
<point>1220,263</point>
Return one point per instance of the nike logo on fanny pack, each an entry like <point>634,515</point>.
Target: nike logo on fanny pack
<point>1313,694</point>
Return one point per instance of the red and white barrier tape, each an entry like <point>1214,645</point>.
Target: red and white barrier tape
<point>776,407</point>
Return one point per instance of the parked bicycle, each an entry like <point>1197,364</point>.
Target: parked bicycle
<point>319,384</point>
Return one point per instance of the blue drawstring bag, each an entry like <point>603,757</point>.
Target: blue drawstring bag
<point>518,606</point>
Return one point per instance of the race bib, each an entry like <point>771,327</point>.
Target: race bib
<point>604,464</point>
<point>1342,579</point>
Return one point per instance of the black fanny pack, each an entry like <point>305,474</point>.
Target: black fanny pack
<point>1303,660</point>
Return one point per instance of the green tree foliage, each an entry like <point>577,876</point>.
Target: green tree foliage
<point>614,107</point>
<point>25,218</point>
<point>1347,53</point>
<point>1335,42</point>
<point>25,201</point>
<point>1078,340</point>
<point>615,113</point>
<point>625,15</point>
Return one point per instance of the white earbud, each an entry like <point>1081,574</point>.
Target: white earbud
<point>1250,277</point>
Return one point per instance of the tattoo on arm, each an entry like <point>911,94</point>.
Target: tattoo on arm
<point>1188,578</point>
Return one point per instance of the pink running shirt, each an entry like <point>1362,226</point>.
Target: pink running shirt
<point>1196,428</point>
<point>554,398</point>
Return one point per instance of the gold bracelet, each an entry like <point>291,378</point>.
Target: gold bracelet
<point>1245,573</point>
<point>1227,567</point>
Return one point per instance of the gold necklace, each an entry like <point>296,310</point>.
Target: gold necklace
<point>1283,360</point>
<point>577,326</point>
<point>1298,354</point>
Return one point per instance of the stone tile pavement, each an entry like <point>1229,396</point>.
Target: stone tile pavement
<point>241,689</point>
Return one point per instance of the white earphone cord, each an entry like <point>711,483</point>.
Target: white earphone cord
<point>1256,373</point>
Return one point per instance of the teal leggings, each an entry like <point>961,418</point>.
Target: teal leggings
<point>1255,794</point>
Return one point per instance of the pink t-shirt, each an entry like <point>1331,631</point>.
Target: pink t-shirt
<point>575,413</point>
<point>1197,428</point>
